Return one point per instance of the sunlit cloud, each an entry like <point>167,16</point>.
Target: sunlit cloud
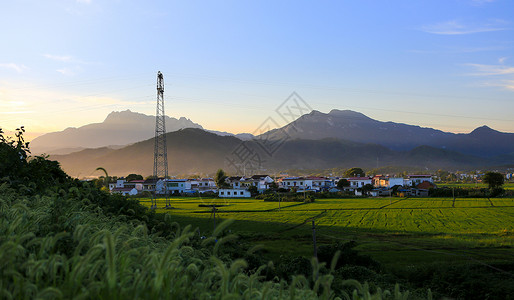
<point>455,27</point>
<point>16,67</point>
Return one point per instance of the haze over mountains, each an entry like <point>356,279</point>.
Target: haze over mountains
<point>314,141</point>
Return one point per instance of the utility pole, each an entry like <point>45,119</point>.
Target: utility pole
<point>314,239</point>
<point>160,155</point>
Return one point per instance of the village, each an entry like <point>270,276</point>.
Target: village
<point>248,186</point>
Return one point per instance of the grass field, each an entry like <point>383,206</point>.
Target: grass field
<point>394,231</point>
<point>507,185</point>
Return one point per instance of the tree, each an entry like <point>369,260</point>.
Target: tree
<point>253,190</point>
<point>342,183</point>
<point>354,172</point>
<point>493,179</point>
<point>220,179</point>
<point>367,188</point>
<point>131,177</point>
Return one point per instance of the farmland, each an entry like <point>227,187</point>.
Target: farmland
<point>394,231</point>
<point>507,185</point>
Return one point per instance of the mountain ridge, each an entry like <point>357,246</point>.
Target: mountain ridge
<point>196,151</point>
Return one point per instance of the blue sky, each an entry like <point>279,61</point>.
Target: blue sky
<point>228,64</point>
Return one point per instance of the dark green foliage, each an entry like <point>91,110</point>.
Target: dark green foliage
<point>493,179</point>
<point>342,183</point>
<point>131,177</point>
<point>220,179</point>
<point>348,256</point>
<point>253,190</point>
<point>354,172</point>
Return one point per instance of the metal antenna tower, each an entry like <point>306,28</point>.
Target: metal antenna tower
<point>160,155</point>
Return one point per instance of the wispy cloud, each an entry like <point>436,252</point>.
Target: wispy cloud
<point>66,59</point>
<point>66,71</point>
<point>63,58</point>
<point>84,1</point>
<point>16,67</point>
<point>456,50</point>
<point>481,2</point>
<point>491,70</point>
<point>499,75</point>
<point>456,27</point>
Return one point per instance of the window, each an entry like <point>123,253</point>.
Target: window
<point>222,193</point>
<point>241,193</point>
<point>228,193</point>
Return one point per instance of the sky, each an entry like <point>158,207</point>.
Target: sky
<point>228,65</point>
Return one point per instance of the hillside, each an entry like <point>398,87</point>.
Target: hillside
<point>193,151</point>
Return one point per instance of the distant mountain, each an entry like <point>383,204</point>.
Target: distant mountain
<point>197,151</point>
<point>354,126</point>
<point>119,128</point>
<point>189,151</point>
<point>241,136</point>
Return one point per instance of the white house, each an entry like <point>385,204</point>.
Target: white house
<point>292,183</point>
<point>178,185</point>
<point>125,191</point>
<point>235,181</point>
<point>233,193</point>
<point>318,183</point>
<point>386,181</point>
<point>414,180</point>
<point>358,182</point>
<point>262,182</point>
<point>203,185</point>
<point>138,184</point>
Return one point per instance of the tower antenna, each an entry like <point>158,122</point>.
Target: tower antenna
<point>160,155</point>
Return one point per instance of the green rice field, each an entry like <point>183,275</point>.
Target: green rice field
<point>391,230</point>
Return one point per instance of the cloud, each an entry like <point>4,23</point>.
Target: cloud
<point>491,70</point>
<point>497,75</point>
<point>66,59</point>
<point>458,28</point>
<point>84,1</point>
<point>63,58</point>
<point>66,71</point>
<point>481,2</point>
<point>15,67</point>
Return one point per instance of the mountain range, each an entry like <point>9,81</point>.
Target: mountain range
<point>340,138</point>
<point>354,126</point>
<point>119,129</point>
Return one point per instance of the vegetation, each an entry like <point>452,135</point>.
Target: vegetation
<point>342,183</point>
<point>220,179</point>
<point>62,238</point>
<point>450,246</point>
<point>354,172</point>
